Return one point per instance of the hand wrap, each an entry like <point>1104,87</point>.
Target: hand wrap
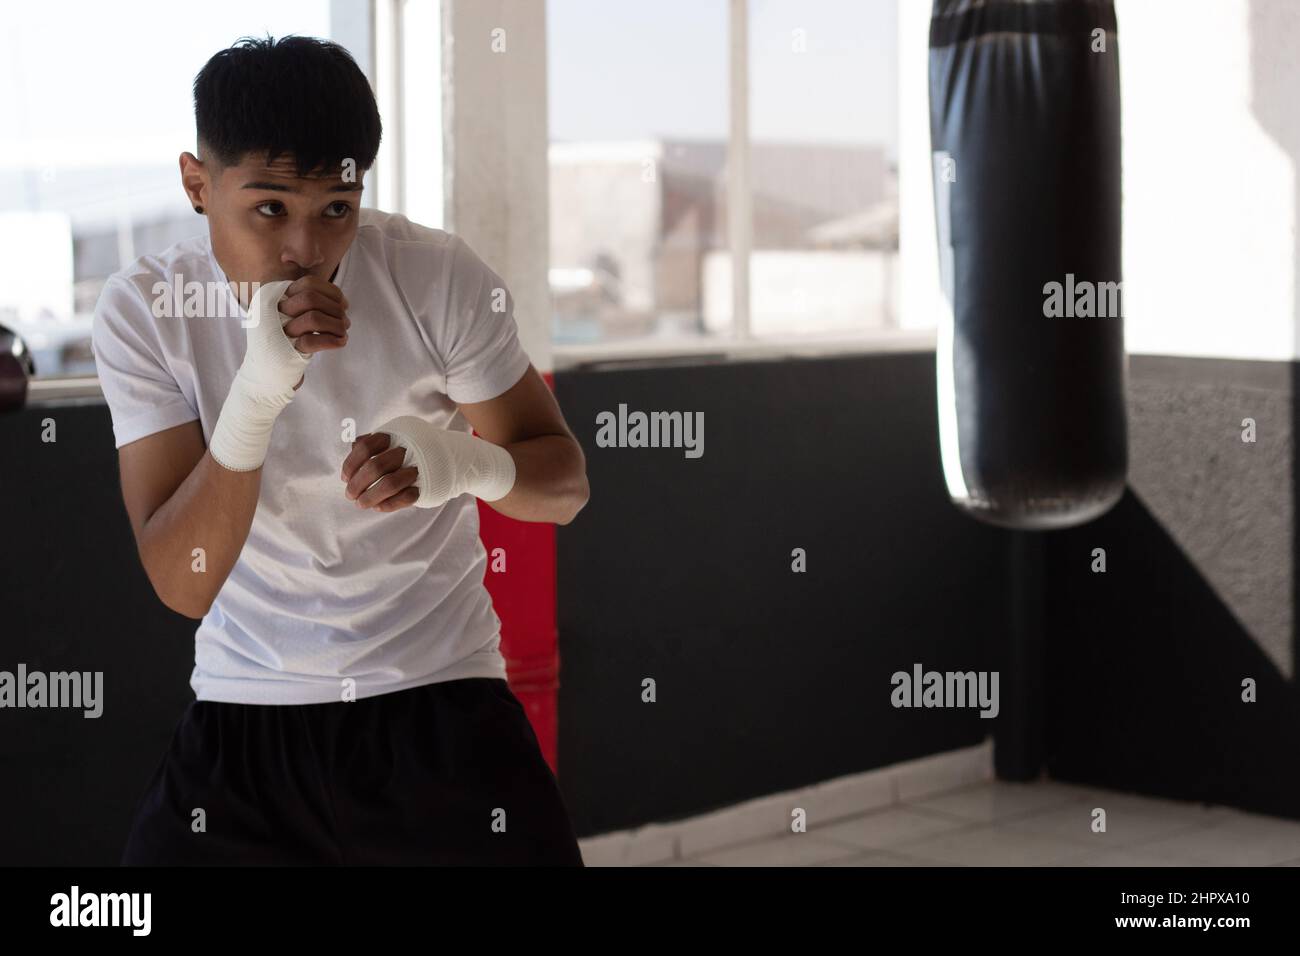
<point>450,463</point>
<point>263,386</point>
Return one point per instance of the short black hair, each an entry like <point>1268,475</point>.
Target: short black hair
<point>300,96</point>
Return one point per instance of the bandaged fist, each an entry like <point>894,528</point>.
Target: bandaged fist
<point>447,464</point>
<point>271,365</point>
<point>375,477</point>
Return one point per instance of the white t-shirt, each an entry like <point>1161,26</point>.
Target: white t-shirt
<point>323,590</point>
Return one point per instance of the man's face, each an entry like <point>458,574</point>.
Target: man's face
<point>268,223</point>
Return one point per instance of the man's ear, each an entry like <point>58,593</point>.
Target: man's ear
<point>194,180</point>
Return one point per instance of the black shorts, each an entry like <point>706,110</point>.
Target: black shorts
<point>447,773</point>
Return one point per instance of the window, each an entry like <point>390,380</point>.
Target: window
<point>638,127</point>
<point>95,118</point>
<point>823,159</point>
<point>646,131</point>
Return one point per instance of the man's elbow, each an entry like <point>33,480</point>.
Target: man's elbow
<point>577,501</point>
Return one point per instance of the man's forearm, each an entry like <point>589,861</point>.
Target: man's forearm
<point>212,510</point>
<point>550,480</point>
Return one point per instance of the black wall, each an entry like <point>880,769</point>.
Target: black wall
<point>76,598</point>
<point>680,570</point>
<point>1145,662</point>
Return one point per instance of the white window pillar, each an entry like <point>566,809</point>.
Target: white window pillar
<point>496,178</point>
<point>740,221</point>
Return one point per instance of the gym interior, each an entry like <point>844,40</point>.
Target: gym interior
<point>794,631</point>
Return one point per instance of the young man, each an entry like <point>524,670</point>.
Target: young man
<point>299,473</point>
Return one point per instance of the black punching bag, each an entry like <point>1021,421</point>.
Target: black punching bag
<point>1025,134</point>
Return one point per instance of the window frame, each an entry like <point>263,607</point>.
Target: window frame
<point>376,38</point>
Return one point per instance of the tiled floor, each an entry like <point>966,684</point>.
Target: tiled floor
<point>1032,824</point>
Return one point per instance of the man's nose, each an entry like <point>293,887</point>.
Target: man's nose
<point>303,249</point>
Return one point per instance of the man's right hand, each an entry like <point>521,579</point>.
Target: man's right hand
<point>289,321</point>
<point>318,316</point>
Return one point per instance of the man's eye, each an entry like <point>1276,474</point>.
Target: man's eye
<point>337,210</point>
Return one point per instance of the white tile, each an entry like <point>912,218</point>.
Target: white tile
<point>886,828</point>
<point>1100,796</point>
<point>929,776</point>
<point>797,849</point>
<point>1129,821</point>
<point>629,847</point>
<point>1135,856</point>
<point>1078,790</point>
<point>689,862</point>
<point>1187,809</point>
<point>1243,839</point>
<point>1000,800</point>
<point>877,858</point>
<point>1121,856</point>
<point>847,796</point>
<point>987,846</point>
<point>771,816</point>
<point>768,818</point>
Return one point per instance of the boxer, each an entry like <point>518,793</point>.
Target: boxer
<point>300,476</point>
